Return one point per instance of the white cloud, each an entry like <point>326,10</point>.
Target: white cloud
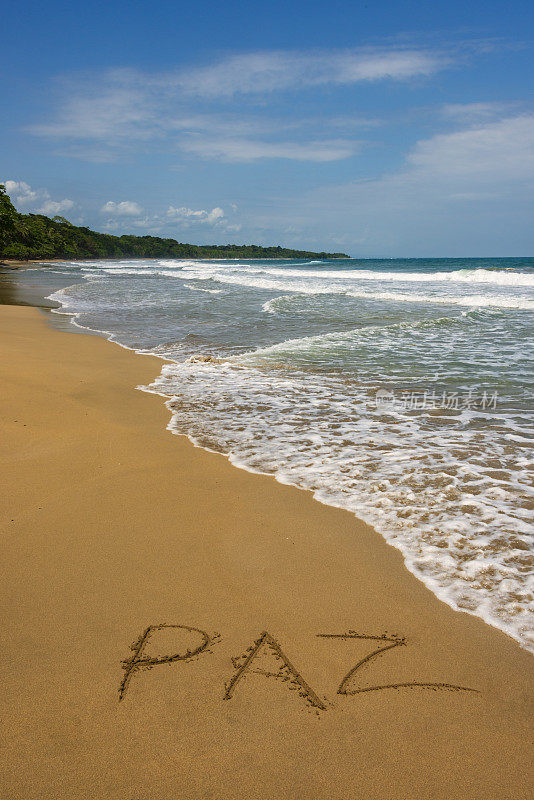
<point>109,107</point>
<point>466,192</point>
<point>37,201</point>
<point>106,115</point>
<point>188,215</point>
<point>52,207</point>
<point>500,152</point>
<point>251,150</point>
<point>21,193</point>
<point>277,71</point>
<point>126,208</point>
<point>472,112</point>
<point>184,217</point>
<point>118,119</point>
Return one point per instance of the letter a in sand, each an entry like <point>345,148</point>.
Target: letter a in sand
<point>286,671</point>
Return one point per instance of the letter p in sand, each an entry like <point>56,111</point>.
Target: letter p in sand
<point>199,638</point>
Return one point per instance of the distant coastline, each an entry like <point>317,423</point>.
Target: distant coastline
<point>26,237</point>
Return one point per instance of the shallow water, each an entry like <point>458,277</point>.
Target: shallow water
<point>398,389</point>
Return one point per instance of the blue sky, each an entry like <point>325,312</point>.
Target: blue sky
<point>379,129</point>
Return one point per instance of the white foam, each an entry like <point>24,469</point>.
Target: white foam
<point>127,271</point>
<point>349,283</point>
<point>478,300</point>
<point>207,291</point>
<point>438,486</point>
<point>509,277</point>
<point>472,300</point>
<point>423,490</point>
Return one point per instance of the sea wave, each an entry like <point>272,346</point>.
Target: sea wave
<point>339,338</point>
<point>287,303</point>
<point>207,291</point>
<point>294,396</point>
<point>507,277</point>
<point>424,488</point>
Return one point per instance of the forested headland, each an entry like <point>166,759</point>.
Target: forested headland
<point>34,236</point>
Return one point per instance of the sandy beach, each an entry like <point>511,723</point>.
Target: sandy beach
<point>175,628</point>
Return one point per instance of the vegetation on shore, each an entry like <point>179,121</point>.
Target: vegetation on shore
<point>34,236</point>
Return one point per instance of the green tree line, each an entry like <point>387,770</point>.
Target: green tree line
<point>34,236</point>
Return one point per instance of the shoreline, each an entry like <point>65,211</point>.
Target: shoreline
<point>37,295</point>
<point>112,525</point>
<point>68,322</point>
<point>14,264</point>
<point>18,288</point>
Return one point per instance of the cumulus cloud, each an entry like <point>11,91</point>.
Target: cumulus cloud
<point>188,215</point>
<point>126,208</point>
<point>21,193</point>
<point>52,207</point>
<point>37,201</point>
<point>131,214</point>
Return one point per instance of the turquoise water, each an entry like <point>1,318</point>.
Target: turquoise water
<point>398,389</point>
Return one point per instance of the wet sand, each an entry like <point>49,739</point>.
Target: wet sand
<point>23,288</point>
<point>115,532</point>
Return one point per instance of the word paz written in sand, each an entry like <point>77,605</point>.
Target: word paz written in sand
<point>266,648</point>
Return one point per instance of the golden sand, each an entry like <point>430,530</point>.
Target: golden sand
<point>349,679</point>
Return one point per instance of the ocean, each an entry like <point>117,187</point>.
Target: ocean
<point>399,389</point>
